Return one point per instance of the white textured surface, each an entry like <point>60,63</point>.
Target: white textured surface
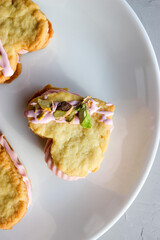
<point>142,220</point>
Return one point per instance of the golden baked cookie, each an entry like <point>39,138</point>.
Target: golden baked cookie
<point>23,28</point>
<point>15,187</point>
<point>78,130</point>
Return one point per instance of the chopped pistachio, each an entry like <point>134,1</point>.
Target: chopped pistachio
<point>84,106</point>
<point>59,114</point>
<point>80,106</point>
<point>45,104</point>
<point>1,68</point>
<point>71,116</point>
<point>82,114</point>
<point>35,108</point>
<point>64,106</point>
<point>86,123</point>
<point>40,116</point>
<point>85,119</point>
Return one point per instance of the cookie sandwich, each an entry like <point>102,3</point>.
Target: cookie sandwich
<point>77,130</point>
<point>23,28</point>
<point>15,187</point>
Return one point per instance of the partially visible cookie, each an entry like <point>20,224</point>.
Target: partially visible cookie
<point>77,128</point>
<point>23,28</point>
<point>15,187</point>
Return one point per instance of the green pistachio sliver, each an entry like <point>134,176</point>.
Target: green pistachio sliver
<point>80,106</point>
<point>84,106</point>
<point>59,114</point>
<point>45,104</point>
<point>40,116</point>
<point>85,119</point>
<point>71,116</point>
<point>82,114</point>
<point>86,123</point>
<point>35,108</point>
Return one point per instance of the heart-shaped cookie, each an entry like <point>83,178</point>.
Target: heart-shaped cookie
<point>15,187</point>
<point>78,130</point>
<point>23,28</point>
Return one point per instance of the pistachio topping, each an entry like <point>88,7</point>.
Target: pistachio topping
<point>71,116</point>
<point>73,111</point>
<point>64,111</point>
<point>45,104</point>
<point>40,116</point>
<point>78,107</point>
<point>59,114</point>
<point>64,106</point>
<point>82,114</point>
<point>35,108</point>
<point>86,123</point>
<point>83,104</point>
<point>84,117</point>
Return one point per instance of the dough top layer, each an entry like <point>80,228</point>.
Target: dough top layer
<point>21,23</point>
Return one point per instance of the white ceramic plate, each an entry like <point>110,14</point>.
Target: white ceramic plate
<point>100,49</point>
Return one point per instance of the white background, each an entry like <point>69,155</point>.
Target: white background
<point>142,220</point>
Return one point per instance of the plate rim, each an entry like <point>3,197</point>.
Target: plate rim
<point>156,140</point>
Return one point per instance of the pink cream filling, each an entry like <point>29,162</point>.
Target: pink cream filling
<point>52,167</point>
<point>19,166</point>
<point>49,114</point>
<point>4,62</point>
